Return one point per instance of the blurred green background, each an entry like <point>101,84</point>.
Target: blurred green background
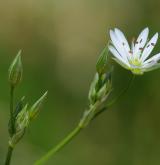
<point>60,42</point>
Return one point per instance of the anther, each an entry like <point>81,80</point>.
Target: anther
<point>123,43</point>
<point>152,44</point>
<point>141,49</point>
<point>148,46</point>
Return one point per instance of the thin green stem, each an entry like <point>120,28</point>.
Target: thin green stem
<point>12,109</point>
<point>57,148</point>
<point>9,155</point>
<point>12,129</point>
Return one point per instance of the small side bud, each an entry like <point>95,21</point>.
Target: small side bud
<point>102,92</point>
<point>19,107</point>
<point>102,60</point>
<point>22,119</point>
<point>16,138</point>
<point>16,70</point>
<point>106,87</point>
<point>37,106</point>
<point>92,90</point>
<point>21,123</point>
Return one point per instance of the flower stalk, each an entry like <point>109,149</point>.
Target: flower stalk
<point>9,155</point>
<point>11,128</point>
<point>59,146</point>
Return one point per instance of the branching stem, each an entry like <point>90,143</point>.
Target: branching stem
<point>10,149</point>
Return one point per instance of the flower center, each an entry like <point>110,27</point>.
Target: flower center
<point>136,66</point>
<point>136,62</point>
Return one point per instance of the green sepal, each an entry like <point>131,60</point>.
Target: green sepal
<point>102,61</point>
<point>22,119</point>
<point>92,90</point>
<point>34,110</point>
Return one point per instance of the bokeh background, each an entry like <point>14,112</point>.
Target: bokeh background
<point>60,42</point>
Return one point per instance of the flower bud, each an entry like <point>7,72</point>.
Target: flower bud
<point>92,90</point>
<point>16,70</point>
<point>22,119</point>
<point>21,123</point>
<point>102,60</point>
<point>16,138</point>
<point>33,112</point>
<point>102,92</point>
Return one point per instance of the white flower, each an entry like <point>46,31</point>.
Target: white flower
<point>135,58</point>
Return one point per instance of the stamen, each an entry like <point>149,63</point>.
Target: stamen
<point>152,44</point>
<point>148,46</point>
<point>123,43</point>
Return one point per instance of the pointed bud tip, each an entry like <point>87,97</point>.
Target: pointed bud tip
<point>43,96</point>
<point>16,70</point>
<point>46,93</point>
<point>34,110</point>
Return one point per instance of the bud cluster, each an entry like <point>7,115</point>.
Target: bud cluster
<point>21,115</point>
<point>100,89</point>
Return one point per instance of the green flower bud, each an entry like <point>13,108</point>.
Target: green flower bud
<point>102,60</point>
<point>37,106</point>
<point>16,70</point>
<point>22,119</point>
<point>102,92</point>
<point>21,123</point>
<point>16,138</point>
<point>19,107</point>
<point>92,90</point>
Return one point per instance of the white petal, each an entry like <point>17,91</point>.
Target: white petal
<point>122,64</point>
<point>149,65</point>
<point>118,45</point>
<point>140,42</point>
<point>122,39</point>
<point>153,58</point>
<point>117,55</point>
<point>149,47</point>
<point>156,66</point>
